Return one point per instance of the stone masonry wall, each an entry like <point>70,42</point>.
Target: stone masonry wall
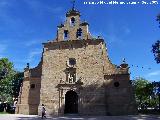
<point>89,66</point>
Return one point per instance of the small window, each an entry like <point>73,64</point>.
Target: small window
<point>32,86</point>
<point>116,84</point>
<point>72,61</point>
<point>79,33</point>
<point>72,22</point>
<point>66,35</point>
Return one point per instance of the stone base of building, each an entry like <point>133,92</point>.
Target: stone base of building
<point>26,109</point>
<point>89,111</point>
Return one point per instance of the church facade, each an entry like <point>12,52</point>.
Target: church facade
<point>76,76</point>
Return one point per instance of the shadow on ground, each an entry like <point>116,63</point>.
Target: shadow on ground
<point>138,117</point>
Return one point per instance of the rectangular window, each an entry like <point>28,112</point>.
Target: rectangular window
<point>32,86</point>
<point>66,36</point>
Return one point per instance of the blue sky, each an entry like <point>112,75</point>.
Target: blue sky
<point>129,31</point>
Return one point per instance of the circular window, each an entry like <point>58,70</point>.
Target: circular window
<point>116,84</point>
<point>72,61</point>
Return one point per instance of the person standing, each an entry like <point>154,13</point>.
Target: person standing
<point>15,103</point>
<point>43,111</point>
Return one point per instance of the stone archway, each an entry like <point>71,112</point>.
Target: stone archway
<point>71,102</point>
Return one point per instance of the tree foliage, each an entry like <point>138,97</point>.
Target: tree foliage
<point>16,84</point>
<point>145,93</point>
<point>7,73</point>
<point>156,51</point>
<point>140,92</point>
<point>156,45</point>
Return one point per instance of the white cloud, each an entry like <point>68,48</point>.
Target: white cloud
<point>33,54</point>
<point>33,42</point>
<point>37,6</point>
<point>4,3</point>
<point>96,34</point>
<point>3,48</point>
<point>62,19</point>
<point>1,56</point>
<point>113,38</point>
<point>6,15</point>
<point>30,43</point>
<point>126,30</point>
<point>56,9</point>
<point>155,73</point>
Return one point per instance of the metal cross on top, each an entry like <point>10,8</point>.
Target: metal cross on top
<point>73,2</point>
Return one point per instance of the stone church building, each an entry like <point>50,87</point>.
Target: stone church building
<point>76,76</point>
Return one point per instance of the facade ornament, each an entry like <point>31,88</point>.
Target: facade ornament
<point>61,80</point>
<point>27,65</point>
<point>124,61</point>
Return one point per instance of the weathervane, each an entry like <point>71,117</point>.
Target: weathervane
<point>73,2</point>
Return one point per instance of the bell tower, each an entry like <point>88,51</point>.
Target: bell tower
<point>73,28</point>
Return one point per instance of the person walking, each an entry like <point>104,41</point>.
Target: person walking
<point>43,111</point>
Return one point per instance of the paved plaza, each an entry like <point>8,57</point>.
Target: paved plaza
<point>35,117</point>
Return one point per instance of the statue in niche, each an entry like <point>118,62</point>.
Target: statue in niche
<point>61,81</point>
<point>79,81</point>
<point>71,78</point>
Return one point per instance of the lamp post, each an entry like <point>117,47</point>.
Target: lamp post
<point>156,51</point>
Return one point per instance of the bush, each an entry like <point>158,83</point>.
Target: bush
<point>1,107</point>
<point>7,107</point>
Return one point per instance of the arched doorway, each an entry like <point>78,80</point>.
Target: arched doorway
<point>71,102</point>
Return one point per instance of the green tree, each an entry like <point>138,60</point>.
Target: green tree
<point>156,45</point>
<point>143,91</point>
<point>7,74</point>
<point>16,84</point>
